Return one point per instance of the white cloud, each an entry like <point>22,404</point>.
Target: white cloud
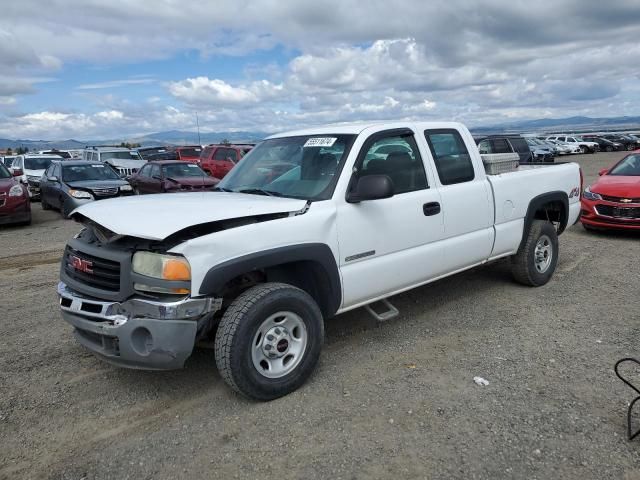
<point>116,83</point>
<point>215,92</point>
<point>474,61</point>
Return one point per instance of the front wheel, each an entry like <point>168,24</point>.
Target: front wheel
<point>269,340</point>
<point>609,148</point>
<point>584,149</point>
<point>536,261</point>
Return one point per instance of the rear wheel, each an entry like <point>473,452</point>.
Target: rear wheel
<point>536,261</point>
<point>268,341</point>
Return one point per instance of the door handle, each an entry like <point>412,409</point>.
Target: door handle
<point>431,208</point>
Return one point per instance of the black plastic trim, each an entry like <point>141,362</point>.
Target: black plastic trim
<point>537,202</point>
<point>330,288</point>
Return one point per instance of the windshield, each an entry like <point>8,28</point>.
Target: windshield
<point>122,155</point>
<point>38,163</point>
<point>78,173</point>
<point>4,173</point>
<point>8,161</point>
<point>178,170</point>
<point>628,166</point>
<point>298,167</point>
<point>59,153</point>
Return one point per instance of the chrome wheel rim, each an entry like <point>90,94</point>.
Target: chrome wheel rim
<point>279,344</point>
<point>543,254</point>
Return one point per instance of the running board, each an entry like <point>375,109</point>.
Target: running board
<point>383,310</point>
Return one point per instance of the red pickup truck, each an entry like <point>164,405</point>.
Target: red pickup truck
<point>188,153</point>
<point>219,159</point>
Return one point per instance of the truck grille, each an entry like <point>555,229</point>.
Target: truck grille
<point>618,212</point>
<point>125,172</point>
<point>105,192</point>
<point>92,271</point>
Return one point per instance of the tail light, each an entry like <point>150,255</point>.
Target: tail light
<point>581,181</point>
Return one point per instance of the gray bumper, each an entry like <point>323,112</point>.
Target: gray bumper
<point>137,333</point>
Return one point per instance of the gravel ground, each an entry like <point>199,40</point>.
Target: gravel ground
<point>391,400</point>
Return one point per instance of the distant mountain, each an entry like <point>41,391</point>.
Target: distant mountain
<point>179,137</point>
<point>574,124</point>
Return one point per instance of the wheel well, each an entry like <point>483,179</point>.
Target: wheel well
<point>552,207</point>
<point>307,275</point>
<point>310,267</point>
<point>554,212</point>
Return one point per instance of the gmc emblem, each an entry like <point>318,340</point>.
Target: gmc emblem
<point>80,264</point>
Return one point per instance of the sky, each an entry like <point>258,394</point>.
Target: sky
<point>93,69</point>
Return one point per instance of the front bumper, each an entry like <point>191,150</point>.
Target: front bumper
<point>591,217</point>
<point>14,209</point>
<point>137,333</point>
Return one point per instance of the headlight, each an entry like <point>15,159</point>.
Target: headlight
<point>163,267</point>
<point>126,188</point>
<point>80,194</point>
<point>589,195</point>
<point>16,191</point>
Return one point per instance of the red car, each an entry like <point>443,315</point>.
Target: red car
<point>15,206</point>
<point>614,200</point>
<point>218,160</point>
<point>188,153</point>
<point>171,176</point>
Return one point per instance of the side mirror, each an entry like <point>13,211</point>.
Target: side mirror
<point>371,187</point>
<point>53,179</point>
<point>17,172</point>
<point>604,171</point>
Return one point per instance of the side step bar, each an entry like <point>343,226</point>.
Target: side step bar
<point>382,310</point>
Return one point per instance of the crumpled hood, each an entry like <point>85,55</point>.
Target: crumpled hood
<point>155,217</point>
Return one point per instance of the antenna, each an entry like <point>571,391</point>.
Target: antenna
<point>198,125</point>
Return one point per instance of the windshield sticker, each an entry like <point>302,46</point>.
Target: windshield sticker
<point>320,142</point>
<point>191,165</point>
<point>98,166</point>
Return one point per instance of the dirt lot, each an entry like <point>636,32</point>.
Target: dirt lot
<point>392,400</point>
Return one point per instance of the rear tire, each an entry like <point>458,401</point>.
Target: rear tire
<point>536,261</point>
<point>269,340</point>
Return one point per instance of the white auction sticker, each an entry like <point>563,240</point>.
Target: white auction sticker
<point>320,142</point>
<point>192,165</point>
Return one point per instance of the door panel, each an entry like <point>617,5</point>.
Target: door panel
<point>390,244</point>
<point>466,200</point>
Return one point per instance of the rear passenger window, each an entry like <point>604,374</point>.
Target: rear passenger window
<point>500,145</point>
<point>450,155</point>
<point>398,158</point>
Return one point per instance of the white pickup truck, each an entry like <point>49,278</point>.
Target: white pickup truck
<point>308,225</point>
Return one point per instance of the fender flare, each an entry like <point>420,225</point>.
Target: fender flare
<point>318,253</point>
<point>537,202</point>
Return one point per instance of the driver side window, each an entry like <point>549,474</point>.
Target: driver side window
<point>398,157</point>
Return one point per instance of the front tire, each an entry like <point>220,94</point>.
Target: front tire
<point>269,340</point>
<point>584,149</point>
<point>609,148</point>
<point>536,261</point>
<point>44,204</point>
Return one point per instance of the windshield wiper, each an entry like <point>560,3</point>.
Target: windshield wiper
<point>260,191</point>
<point>220,189</point>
